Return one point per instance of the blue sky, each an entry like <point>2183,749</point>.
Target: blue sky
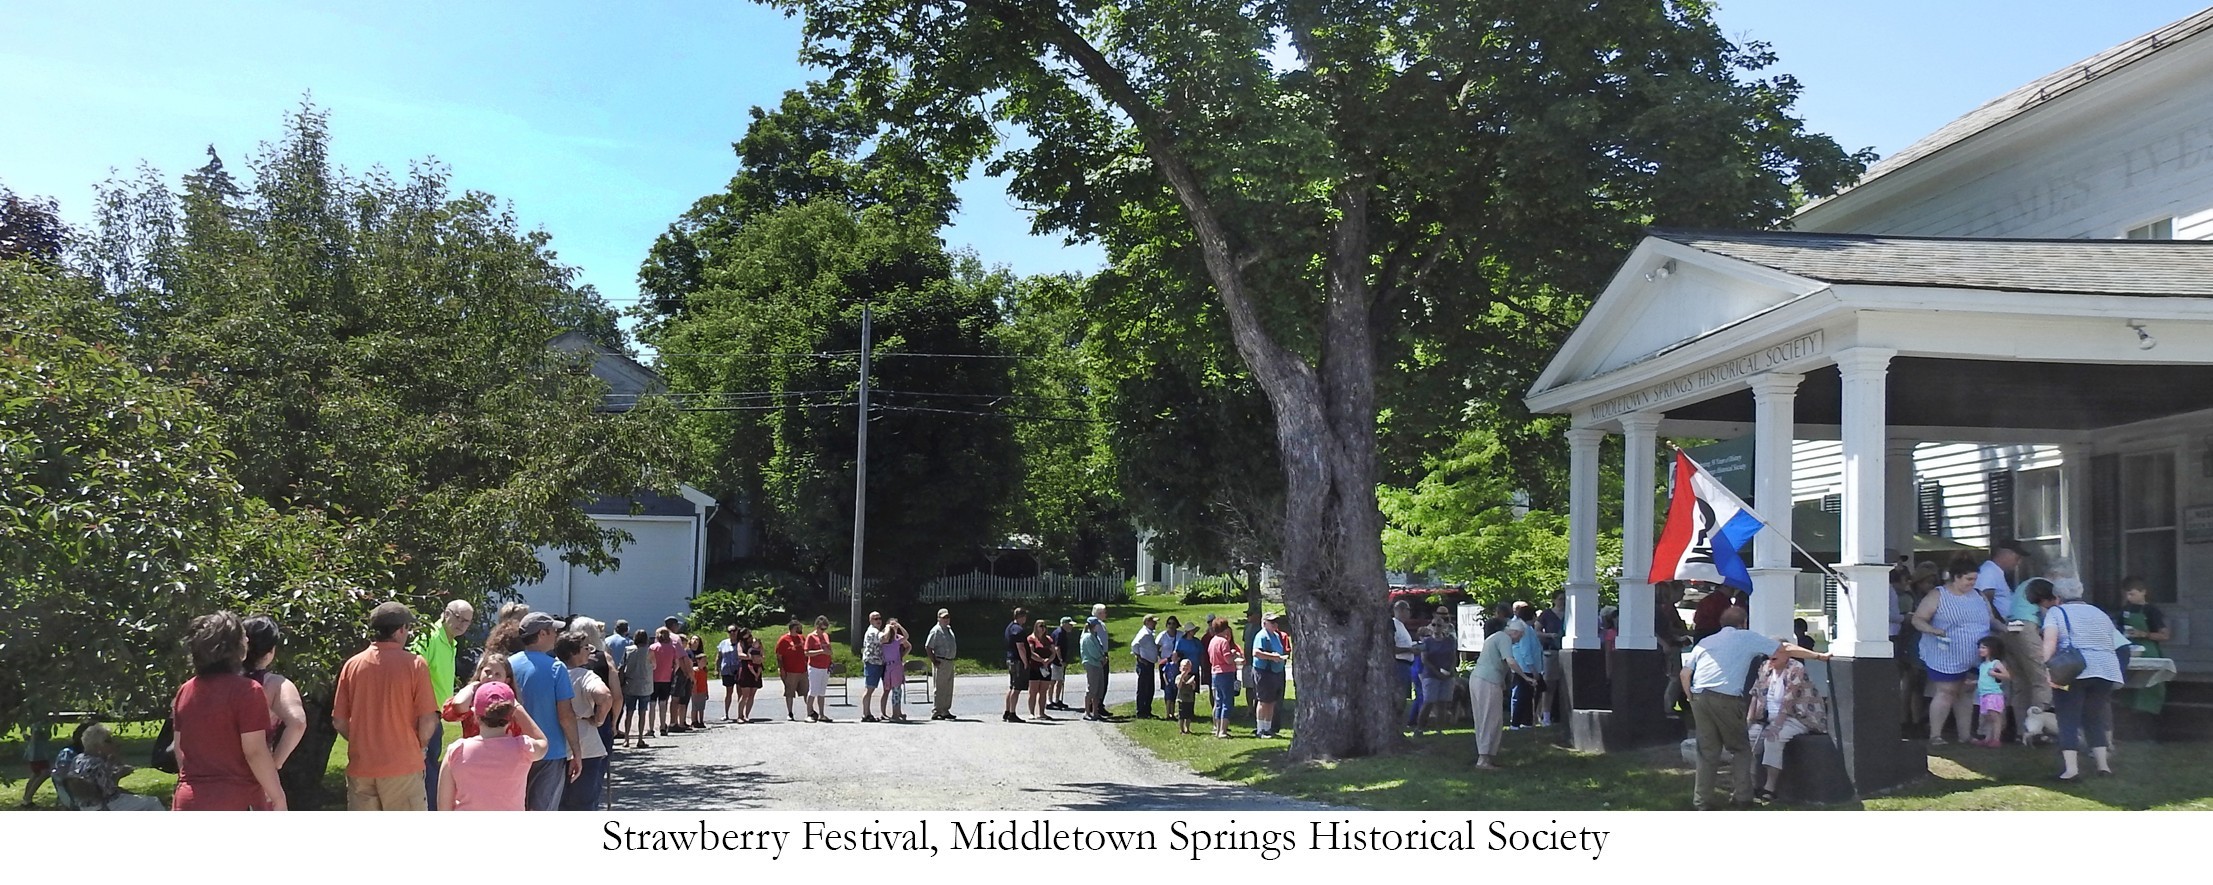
<point>602,122</point>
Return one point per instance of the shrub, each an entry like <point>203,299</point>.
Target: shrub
<point>1213,591</point>
<point>753,607</point>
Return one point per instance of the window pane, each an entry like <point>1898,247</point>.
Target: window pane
<point>2036,504</point>
<point>2148,490</point>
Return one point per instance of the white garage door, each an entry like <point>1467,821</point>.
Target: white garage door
<point>653,582</point>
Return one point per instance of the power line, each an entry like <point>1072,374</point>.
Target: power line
<point>987,396</point>
<point>987,414</point>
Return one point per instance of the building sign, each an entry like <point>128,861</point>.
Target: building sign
<point>1792,352</point>
<point>1470,618</point>
<point>2197,524</point>
<point>1730,461</point>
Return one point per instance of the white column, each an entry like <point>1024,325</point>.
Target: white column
<point>1774,581</point>
<point>1144,559</point>
<point>2074,505</point>
<point>1582,585</point>
<point>1639,433</point>
<point>1863,614</point>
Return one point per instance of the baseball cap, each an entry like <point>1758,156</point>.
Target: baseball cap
<point>389,615</point>
<point>491,693</point>
<point>945,613</point>
<point>2012,545</point>
<point>536,621</point>
<point>1067,620</point>
<point>1271,616</point>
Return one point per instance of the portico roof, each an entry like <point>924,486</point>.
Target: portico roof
<point>2100,332</point>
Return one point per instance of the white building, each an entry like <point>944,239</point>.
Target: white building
<point>1975,341</point>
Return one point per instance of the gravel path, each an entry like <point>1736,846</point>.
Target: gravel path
<point>976,763</point>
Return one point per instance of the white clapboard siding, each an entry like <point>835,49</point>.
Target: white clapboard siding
<point>2194,226</point>
<point>1817,471</point>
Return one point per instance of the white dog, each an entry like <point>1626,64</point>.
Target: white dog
<point>2039,726</point>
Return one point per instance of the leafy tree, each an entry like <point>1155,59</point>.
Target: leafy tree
<point>775,423</point>
<point>1467,520</point>
<point>1434,187</point>
<point>375,351</point>
<point>30,229</point>
<point>1068,501</point>
<point>121,519</point>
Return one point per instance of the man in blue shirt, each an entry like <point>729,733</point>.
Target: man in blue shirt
<point>1269,655</point>
<point>1529,655</point>
<point>542,686</point>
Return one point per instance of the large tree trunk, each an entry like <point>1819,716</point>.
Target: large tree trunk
<point>302,775</point>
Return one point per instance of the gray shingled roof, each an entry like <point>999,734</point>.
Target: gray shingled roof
<point>2089,267</point>
<point>2041,90</point>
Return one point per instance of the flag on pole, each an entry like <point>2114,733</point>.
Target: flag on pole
<point>1706,526</point>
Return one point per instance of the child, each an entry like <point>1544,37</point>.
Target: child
<point>489,773</point>
<point>1990,692</point>
<point>493,669</point>
<point>1187,688</point>
<point>1798,634</point>
<point>895,675</point>
<point>699,683</point>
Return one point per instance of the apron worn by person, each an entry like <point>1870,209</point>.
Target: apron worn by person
<point>2144,700</point>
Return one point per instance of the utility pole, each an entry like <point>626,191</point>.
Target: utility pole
<point>860,486</point>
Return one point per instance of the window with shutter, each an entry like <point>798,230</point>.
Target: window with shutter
<point>1999,485</point>
<point>1929,509</point>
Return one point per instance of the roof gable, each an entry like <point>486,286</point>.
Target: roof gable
<point>2170,268</point>
<point>1665,295</point>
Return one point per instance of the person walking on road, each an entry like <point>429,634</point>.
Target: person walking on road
<point>942,646</point>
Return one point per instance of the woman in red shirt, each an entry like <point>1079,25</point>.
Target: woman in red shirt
<point>222,726</point>
<point>818,671</point>
<point>1043,652</point>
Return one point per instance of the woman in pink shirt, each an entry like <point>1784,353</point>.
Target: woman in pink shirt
<point>1224,657</point>
<point>489,773</point>
<point>665,652</point>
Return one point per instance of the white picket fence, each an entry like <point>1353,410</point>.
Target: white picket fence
<point>980,587</point>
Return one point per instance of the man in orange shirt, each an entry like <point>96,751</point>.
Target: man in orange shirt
<point>386,714</point>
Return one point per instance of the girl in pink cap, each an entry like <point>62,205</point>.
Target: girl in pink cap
<point>488,772</point>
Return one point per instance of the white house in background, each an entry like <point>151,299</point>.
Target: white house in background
<point>2118,145</point>
<point>665,563</point>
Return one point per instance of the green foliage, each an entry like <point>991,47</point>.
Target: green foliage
<point>121,520</point>
<point>30,229</point>
<point>1213,591</point>
<point>1069,501</point>
<point>1465,520</point>
<point>752,607</point>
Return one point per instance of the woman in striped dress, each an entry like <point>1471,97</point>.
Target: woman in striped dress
<point>1952,621</point>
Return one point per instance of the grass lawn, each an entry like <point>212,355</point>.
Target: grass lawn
<point>137,739</point>
<point>1434,773</point>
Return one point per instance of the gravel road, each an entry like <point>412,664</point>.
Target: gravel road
<point>976,763</point>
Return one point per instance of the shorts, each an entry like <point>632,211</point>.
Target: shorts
<point>1437,689</point>
<point>1060,672</point>
<point>795,684</point>
<point>1095,683</point>
<point>872,674</point>
<point>1936,676</point>
<point>1267,686</point>
<point>662,690</point>
<point>730,679</point>
<point>42,767</point>
<point>699,703</point>
<point>636,702</point>
<point>1991,703</point>
<point>681,688</point>
<point>818,682</point>
<point>1018,676</point>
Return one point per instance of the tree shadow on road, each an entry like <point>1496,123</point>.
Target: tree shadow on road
<point>644,785</point>
<point>1163,797</point>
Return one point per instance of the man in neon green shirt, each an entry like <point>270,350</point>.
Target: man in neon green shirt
<point>437,648</point>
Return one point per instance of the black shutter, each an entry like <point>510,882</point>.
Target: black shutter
<point>1929,511</point>
<point>1832,503</point>
<point>2105,529</point>
<point>1999,484</point>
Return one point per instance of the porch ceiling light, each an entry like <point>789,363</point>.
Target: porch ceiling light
<point>1660,273</point>
<point>2144,339</point>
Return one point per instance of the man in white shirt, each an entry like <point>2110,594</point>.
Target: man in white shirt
<point>1713,678</point>
<point>1146,649</point>
<point>1402,657</point>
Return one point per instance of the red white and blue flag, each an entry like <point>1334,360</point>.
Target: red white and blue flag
<point>1706,527</point>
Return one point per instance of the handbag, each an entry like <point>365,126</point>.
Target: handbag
<point>165,748</point>
<point>2066,664</point>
